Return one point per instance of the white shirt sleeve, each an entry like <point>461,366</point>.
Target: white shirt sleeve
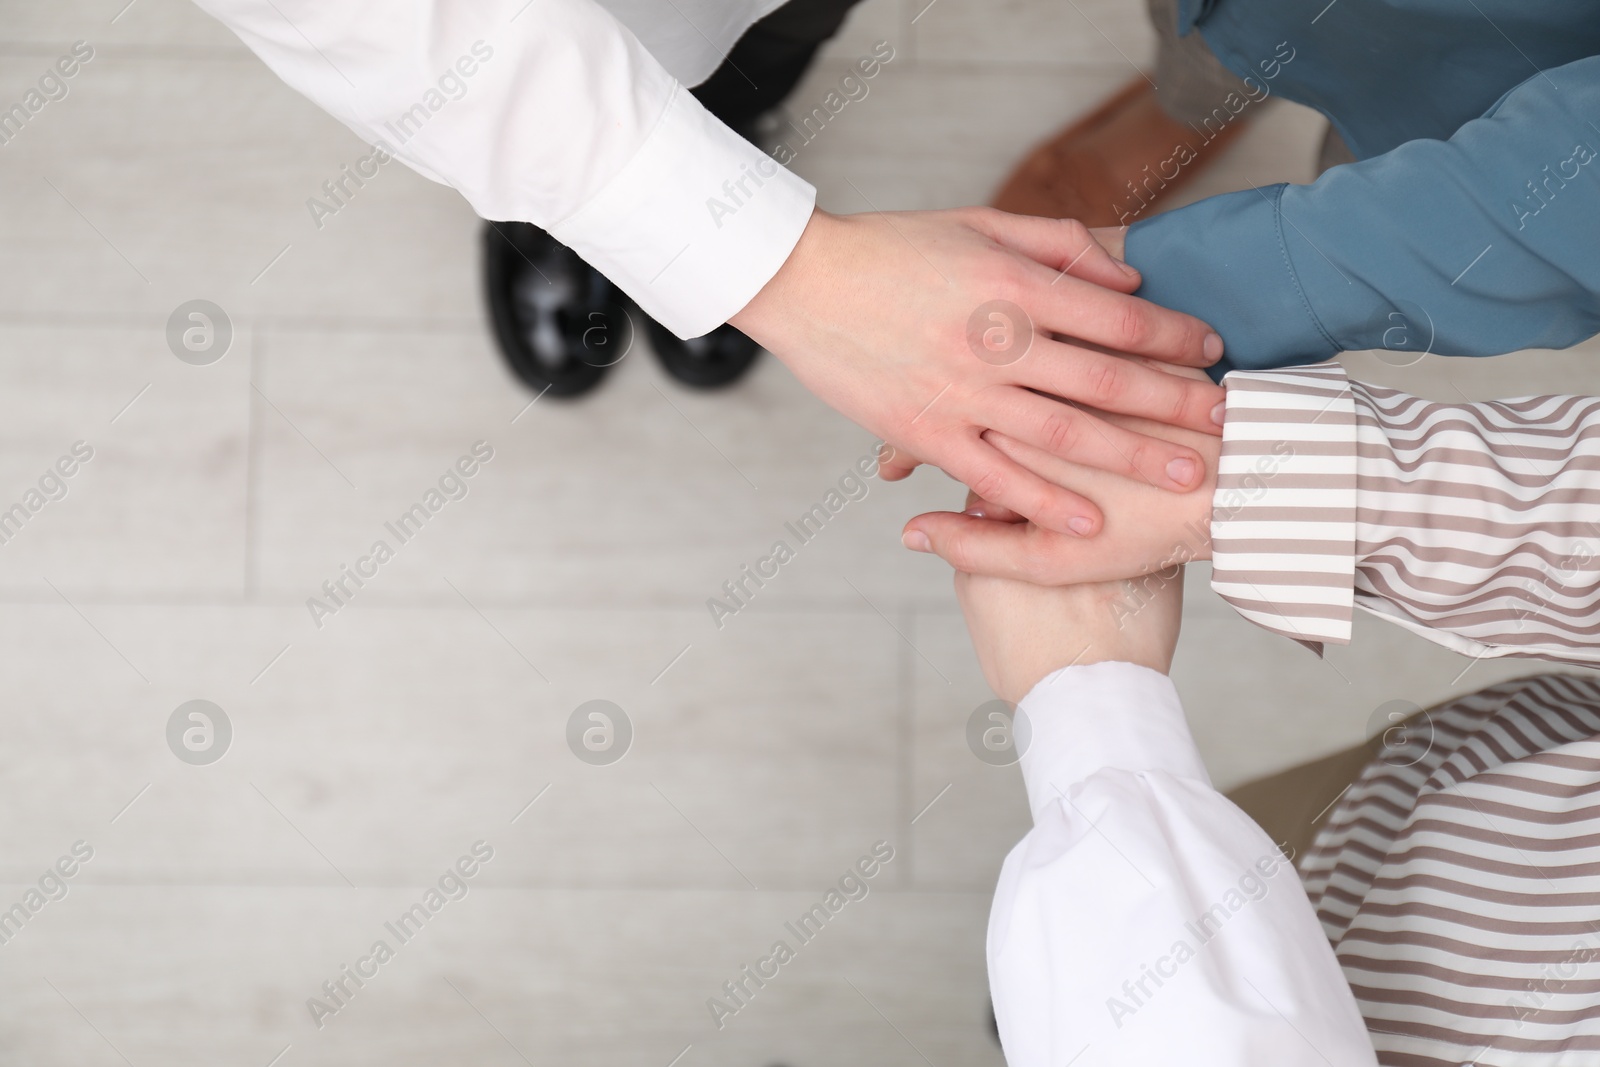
<point>550,112</point>
<point>1145,919</point>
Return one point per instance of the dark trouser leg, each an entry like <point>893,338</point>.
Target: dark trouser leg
<point>770,59</point>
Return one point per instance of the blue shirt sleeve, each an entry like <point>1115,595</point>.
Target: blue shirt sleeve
<point>1483,244</point>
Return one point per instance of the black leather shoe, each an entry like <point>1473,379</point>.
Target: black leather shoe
<point>559,323</point>
<point>714,361</point>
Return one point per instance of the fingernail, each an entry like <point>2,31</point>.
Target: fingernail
<point>976,511</point>
<point>1181,471</point>
<point>1213,347</point>
<point>917,541</point>
<point>1129,271</point>
<point>1080,526</point>
<point>1219,414</point>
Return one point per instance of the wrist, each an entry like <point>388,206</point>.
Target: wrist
<point>775,314</point>
<point>1024,633</point>
<point>1152,655</point>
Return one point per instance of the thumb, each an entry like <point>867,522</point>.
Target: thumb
<point>1064,245</point>
<point>973,545</point>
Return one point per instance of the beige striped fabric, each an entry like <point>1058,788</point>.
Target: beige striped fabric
<point>1474,525</point>
<point>1459,882</point>
<point>1283,517</point>
<point>1459,877</point>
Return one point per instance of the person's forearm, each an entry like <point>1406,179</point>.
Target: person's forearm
<point>551,113</point>
<point>1144,917</point>
<point>1479,245</point>
<point>1474,525</point>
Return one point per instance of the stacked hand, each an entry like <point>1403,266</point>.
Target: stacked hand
<point>952,355</point>
<point>1146,528</point>
<point>909,355</point>
<point>1036,601</point>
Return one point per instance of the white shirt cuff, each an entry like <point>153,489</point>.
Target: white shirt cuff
<point>1081,720</point>
<point>696,223</point>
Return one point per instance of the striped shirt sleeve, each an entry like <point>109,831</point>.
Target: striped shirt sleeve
<point>1283,520</point>
<point>1473,525</point>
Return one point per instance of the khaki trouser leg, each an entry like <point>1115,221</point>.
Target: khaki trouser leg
<point>1292,805</point>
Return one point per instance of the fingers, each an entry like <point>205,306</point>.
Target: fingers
<point>1111,383</point>
<point>1071,433</point>
<point>993,548</point>
<point>1065,246</point>
<point>1090,312</point>
<point>1051,468</point>
<point>1084,289</point>
<point>895,464</point>
<point>1118,495</point>
<point>996,478</point>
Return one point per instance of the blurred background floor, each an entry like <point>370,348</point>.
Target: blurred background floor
<point>431,712</point>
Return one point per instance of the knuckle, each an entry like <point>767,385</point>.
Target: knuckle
<point>1139,455</point>
<point>1183,405</point>
<point>981,217</point>
<point>969,551</point>
<point>989,485</point>
<point>1132,325</point>
<point>1062,432</point>
<point>957,551</point>
<point>1107,380</point>
<point>1076,232</point>
<point>1010,281</point>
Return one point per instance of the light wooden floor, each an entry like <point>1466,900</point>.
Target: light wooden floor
<point>369,754</point>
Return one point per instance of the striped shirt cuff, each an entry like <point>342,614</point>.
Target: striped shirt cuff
<point>1283,519</point>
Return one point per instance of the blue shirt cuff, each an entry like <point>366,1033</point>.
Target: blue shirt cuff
<point>1226,261</point>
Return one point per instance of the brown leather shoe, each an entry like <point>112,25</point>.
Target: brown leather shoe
<point>1116,164</point>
